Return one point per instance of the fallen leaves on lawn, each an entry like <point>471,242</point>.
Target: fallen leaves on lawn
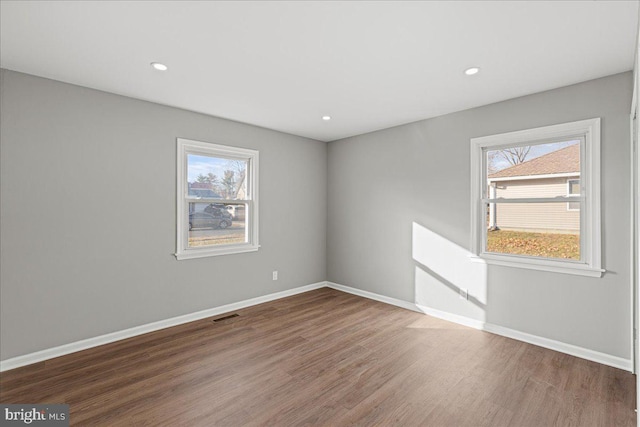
<point>216,240</point>
<point>548,245</point>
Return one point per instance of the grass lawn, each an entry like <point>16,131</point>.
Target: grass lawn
<point>216,240</point>
<point>210,237</point>
<point>547,245</point>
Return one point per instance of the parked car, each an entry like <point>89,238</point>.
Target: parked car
<point>237,211</point>
<point>232,210</point>
<point>215,209</point>
<point>220,219</point>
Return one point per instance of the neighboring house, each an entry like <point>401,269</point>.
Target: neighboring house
<point>551,175</point>
<point>203,190</point>
<point>206,190</point>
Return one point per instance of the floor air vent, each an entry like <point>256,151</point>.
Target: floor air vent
<point>220,319</point>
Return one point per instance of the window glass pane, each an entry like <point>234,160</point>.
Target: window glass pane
<point>532,171</point>
<point>213,224</point>
<point>545,230</point>
<point>217,200</point>
<point>573,206</point>
<point>574,186</point>
<point>216,177</point>
<point>573,190</point>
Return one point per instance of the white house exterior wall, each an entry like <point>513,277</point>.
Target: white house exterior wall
<point>536,216</point>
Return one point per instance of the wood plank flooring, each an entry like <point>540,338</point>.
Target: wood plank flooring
<point>326,358</point>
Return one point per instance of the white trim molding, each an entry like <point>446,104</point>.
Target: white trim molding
<point>588,133</point>
<point>523,177</point>
<point>250,200</point>
<point>377,297</point>
<point>573,350</point>
<point>50,353</point>
<point>584,353</point>
<point>570,349</point>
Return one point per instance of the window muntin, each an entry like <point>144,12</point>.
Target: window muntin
<point>216,200</point>
<point>495,193</point>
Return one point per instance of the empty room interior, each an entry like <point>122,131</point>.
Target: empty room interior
<point>320,213</point>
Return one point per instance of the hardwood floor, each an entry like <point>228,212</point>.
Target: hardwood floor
<point>326,358</point>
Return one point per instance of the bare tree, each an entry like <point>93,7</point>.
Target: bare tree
<point>492,158</point>
<point>229,184</point>
<point>237,166</point>
<point>515,155</point>
<point>238,169</point>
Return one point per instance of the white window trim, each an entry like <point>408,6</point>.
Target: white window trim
<point>186,147</point>
<point>590,264</point>
<point>569,194</point>
<point>521,178</point>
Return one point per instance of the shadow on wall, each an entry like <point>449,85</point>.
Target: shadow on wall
<point>443,270</point>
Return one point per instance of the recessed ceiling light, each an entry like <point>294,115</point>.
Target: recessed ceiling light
<point>471,71</point>
<point>158,66</point>
<point>326,118</point>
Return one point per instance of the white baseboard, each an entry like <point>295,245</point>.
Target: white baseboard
<point>371,295</point>
<point>39,356</point>
<point>573,350</point>
<point>50,353</point>
<point>454,318</point>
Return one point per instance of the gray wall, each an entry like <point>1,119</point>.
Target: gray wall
<point>87,217</point>
<point>88,214</point>
<point>408,186</point>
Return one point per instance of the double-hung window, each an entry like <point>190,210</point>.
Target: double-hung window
<point>217,199</point>
<point>536,198</point>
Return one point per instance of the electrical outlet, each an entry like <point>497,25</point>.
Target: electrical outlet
<point>275,275</point>
<point>464,293</point>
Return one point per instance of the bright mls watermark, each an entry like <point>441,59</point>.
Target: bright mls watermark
<point>35,415</point>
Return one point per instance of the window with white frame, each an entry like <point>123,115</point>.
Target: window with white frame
<point>217,199</point>
<point>536,198</point>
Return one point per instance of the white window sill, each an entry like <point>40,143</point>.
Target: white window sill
<point>202,253</point>
<point>540,265</point>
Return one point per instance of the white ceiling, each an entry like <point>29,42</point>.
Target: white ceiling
<point>283,65</point>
